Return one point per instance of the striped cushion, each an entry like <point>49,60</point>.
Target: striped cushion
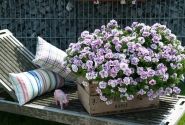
<point>51,58</point>
<point>28,85</point>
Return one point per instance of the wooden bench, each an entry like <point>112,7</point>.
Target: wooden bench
<point>14,57</point>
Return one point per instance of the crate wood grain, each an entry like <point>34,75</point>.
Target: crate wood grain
<point>96,107</point>
<point>90,86</point>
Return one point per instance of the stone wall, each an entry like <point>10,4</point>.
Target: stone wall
<point>61,21</point>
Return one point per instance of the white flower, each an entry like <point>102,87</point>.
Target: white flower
<point>85,83</point>
<point>174,75</point>
<point>180,48</point>
<point>112,83</point>
<point>109,102</point>
<point>122,90</point>
<point>178,58</point>
<point>147,58</point>
<point>141,40</point>
<point>84,34</point>
<point>182,77</point>
<point>103,98</point>
<point>154,46</point>
<point>155,60</point>
<point>173,66</point>
<point>84,66</point>
<point>130,97</point>
<point>123,66</point>
<point>102,85</point>
<point>74,68</point>
<point>141,92</point>
<point>146,87</point>
<point>98,90</point>
<point>122,56</point>
<point>126,81</point>
<point>71,53</point>
<point>179,66</point>
<point>167,31</point>
<point>161,44</point>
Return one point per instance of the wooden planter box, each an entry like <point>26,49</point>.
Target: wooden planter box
<point>96,107</point>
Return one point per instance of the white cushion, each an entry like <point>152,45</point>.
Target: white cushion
<point>51,58</point>
<point>28,85</point>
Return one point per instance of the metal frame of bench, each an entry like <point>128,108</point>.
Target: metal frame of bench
<point>14,57</point>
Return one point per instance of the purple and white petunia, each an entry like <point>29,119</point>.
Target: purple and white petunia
<point>126,62</point>
<point>102,85</point>
<point>134,61</point>
<point>91,75</point>
<point>176,90</point>
<point>141,92</point>
<point>126,81</point>
<point>74,68</point>
<point>104,74</point>
<point>152,82</point>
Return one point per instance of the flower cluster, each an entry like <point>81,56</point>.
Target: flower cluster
<point>137,60</point>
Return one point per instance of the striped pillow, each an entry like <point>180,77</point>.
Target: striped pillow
<point>28,85</point>
<point>51,58</point>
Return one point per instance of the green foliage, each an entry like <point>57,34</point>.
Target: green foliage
<point>182,120</point>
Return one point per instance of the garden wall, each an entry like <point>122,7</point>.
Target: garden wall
<point>61,21</point>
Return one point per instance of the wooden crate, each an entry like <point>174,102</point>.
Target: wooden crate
<point>90,88</point>
<point>96,107</point>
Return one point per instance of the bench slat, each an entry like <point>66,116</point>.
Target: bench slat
<point>52,112</point>
<point>14,58</point>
